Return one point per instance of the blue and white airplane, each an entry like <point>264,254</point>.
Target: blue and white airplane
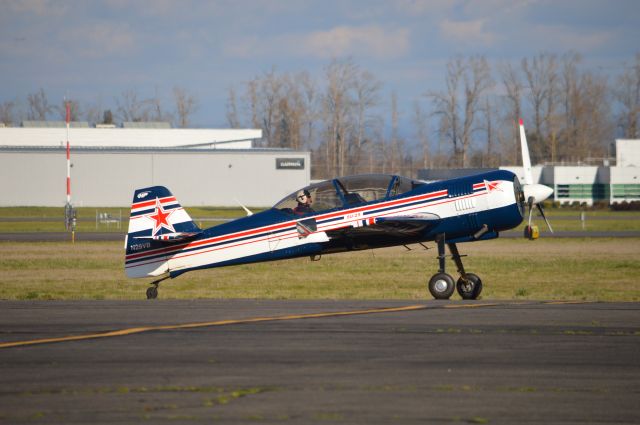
<point>346,214</point>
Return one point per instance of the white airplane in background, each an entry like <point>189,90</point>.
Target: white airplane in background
<point>534,193</point>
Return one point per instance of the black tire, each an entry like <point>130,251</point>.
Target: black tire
<point>441,286</point>
<point>152,293</point>
<point>470,288</point>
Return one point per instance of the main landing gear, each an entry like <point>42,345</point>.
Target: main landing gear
<point>152,292</point>
<point>441,284</point>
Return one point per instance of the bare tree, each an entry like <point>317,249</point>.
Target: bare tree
<point>457,126</point>
<point>93,112</point>
<point>446,107</point>
<point>514,88</point>
<point>396,154</point>
<point>252,100</point>
<point>586,111</point>
<point>289,113</point>
<point>420,121</point>
<point>7,112</point>
<point>308,105</point>
<point>542,79</point>
<point>491,157</point>
<point>627,93</point>
<point>185,105</point>
<point>337,106</point>
<point>39,106</point>
<point>232,109</point>
<point>269,94</point>
<point>366,92</point>
<point>156,111</point>
<point>129,108</point>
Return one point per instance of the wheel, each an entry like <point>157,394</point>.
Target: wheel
<point>531,232</point>
<point>469,287</point>
<point>441,286</point>
<point>152,293</point>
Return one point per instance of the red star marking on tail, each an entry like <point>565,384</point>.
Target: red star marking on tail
<point>491,186</point>
<point>161,218</point>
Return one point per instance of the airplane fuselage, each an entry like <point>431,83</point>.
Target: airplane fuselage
<point>467,209</point>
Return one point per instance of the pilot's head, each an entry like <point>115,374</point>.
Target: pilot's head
<point>303,197</point>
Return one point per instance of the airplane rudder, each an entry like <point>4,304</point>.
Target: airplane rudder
<point>155,210</point>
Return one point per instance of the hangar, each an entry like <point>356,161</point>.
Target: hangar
<point>202,167</point>
<point>577,183</point>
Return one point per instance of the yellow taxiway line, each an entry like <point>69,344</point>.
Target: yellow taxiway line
<point>131,331</point>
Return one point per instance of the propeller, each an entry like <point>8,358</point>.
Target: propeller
<point>534,193</point>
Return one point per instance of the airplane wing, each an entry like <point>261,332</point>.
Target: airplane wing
<point>398,226</point>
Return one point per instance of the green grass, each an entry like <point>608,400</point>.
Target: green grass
<point>51,219</point>
<point>546,269</point>
<point>601,221</point>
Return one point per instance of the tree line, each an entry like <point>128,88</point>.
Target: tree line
<point>343,117</point>
<point>573,115</point>
<point>130,106</point>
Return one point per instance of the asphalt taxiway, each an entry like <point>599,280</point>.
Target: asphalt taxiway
<point>252,361</point>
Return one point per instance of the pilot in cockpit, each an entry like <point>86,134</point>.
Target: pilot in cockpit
<point>303,197</point>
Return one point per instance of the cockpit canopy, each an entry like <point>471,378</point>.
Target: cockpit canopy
<point>351,190</point>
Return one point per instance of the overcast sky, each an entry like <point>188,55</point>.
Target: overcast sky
<point>94,50</point>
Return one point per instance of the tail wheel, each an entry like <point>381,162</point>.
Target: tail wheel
<point>469,286</point>
<point>441,286</point>
<point>152,293</point>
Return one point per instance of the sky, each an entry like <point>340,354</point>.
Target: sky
<point>93,51</point>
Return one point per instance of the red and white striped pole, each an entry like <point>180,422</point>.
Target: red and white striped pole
<point>68,208</point>
<point>68,156</point>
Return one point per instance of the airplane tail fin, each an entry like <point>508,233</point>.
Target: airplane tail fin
<point>157,221</point>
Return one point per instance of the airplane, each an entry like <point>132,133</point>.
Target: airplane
<point>347,214</point>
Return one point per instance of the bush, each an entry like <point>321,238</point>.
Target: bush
<point>626,206</point>
<point>600,205</point>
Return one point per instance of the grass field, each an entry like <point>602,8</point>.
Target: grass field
<point>50,219</point>
<point>546,269</point>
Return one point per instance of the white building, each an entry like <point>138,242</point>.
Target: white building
<point>114,137</point>
<point>583,184</point>
<point>209,167</point>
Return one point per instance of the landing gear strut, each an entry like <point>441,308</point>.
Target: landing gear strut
<point>152,292</point>
<point>441,284</point>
